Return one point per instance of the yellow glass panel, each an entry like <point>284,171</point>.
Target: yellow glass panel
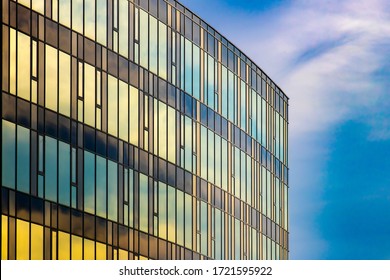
<point>12,61</point>
<point>51,78</point>
<point>143,39</point>
<point>39,6</point>
<point>123,255</point>
<point>89,95</point>
<point>63,246</point>
<point>100,251</point>
<point>134,116</point>
<point>22,240</point>
<point>4,237</point>
<point>162,129</point>
<point>89,249</point>
<point>36,242</point>
<point>77,248</point>
<point>123,111</point>
<point>112,105</point>
<point>64,84</point>
<point>54,245</point>
<point>162,57</point>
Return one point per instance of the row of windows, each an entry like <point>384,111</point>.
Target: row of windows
<point>48,218</point>
<point>218,161</point>
<point>223,91</point>
<point>72,177</point>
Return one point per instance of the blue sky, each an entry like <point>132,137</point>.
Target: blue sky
<point>332,59</point>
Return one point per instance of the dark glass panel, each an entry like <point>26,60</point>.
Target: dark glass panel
<point>63,218</point>
<point>89,226</point>
<point>89,51</point>
<point>123,237</point>
<point>180,178</point>
<point>123,69</point>
<point>203,114</point>
<point>188,28</point>
<point>211,118</point>
<point>80,46</point>
<point>112,63</point>
<point>8,107</point>
<point>12,13</point>
<point>51,123</point>
<point>51,33</point>
<point>23,112</point>
<point>101,143</point>
<point>89,138</point>
<point>64,128</point>
<point>143,162</point>
<point>171,174</point>
<point>36,210</point>
<point>188,105</point>
<point>112,151</point>
<point>162,250</point>
<point>4,201</point>
<point>77,222</point>
<point>133,74</point>
<point>64,39</point>
<point>188,182</point>
<point>53,215</point>
<point>153,247</point>
<point>162,90</point>
<point>196,34</point>
<point>162,171</point>
<point>101,230</point>
<point>24,19</point>
<point>126,154</point>
<point>162,11</point>
<point>22,206</point>
<point>74,133</point>
<point>171,95</point>
<point>203,190</point>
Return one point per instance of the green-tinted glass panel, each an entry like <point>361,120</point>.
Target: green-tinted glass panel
<point>112,191</point>
<point>180,217</point>
<point>171,214</point>
<point>143,203</point>
<point>8,152</point>
<point>188,66</point>
<point>23,159</point>
<point>89,182</point>
<point>50,169</point>
<point>63,173</point>
<point>196,72</point>
<point>101,188</point>
<point>188,221</point>
<point>162,210</point>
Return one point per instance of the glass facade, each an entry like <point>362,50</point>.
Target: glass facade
<point>134,130</point>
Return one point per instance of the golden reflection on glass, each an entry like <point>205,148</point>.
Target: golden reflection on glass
<point>4,237</point>
<point>123,111</point>
<point>171,214</point>
<point>64,84</point>
<point>63,246</point>
<point>89,95</point>
<point>39,6</point>
<point>171,134</point>
<point>112,105</point>
<point>89,249</point>
<point>134,115</point>
<point>162,48</point>
<point>53,245</point>
<point>77,15</point>
<point>24,75</point>
<point>51,78</point>
<point>123,255</point>
<point>153,45</point>
<point>143,40</point>
<point>54,10</point>
<point>188,220</point>
<point>123,28</point>
<point>112,190</point>
<point>77,247</point>
<point>100,251</point>
<point>64,12</point>
<point>36,242</point>
<point>12,61</point>
<point>180,217</point>
<point>162,130</point>
<point>162,210</point>
<point>89,18</point>
<point>101,22</point>
<point>24,2</point>
<point>22,240</point>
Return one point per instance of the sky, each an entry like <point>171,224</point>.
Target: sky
<point>332,59</point>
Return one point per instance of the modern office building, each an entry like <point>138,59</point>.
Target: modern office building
<point>134,130</point>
